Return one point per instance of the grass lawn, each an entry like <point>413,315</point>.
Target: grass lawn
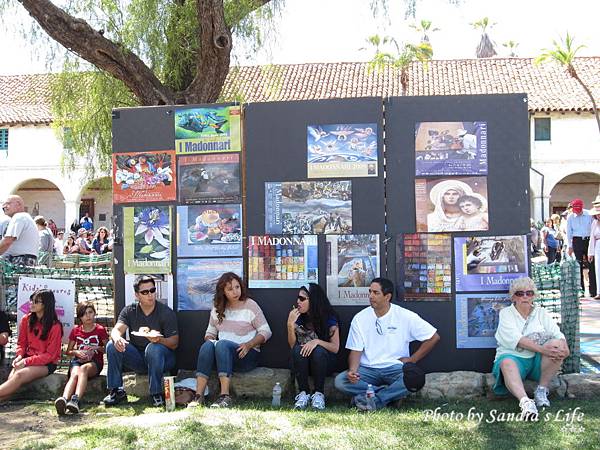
<point>254,425</point>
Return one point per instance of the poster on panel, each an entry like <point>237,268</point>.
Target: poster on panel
<point>424,266</point>
<point>147,239</point>
<point>342,150</point>
<point>308,207</point>
<point>209,230</point>
<point>451,204</point>
<point>164,288</point>
<point>451,148</point>
<point>64,295</point>
<point>477,318</point>
<point>197,279</point>
<point>286,261</point>
<point>208,129</point>
<point>212,178</point>
<point>489,263</point>
<point>144,177</point>
<point>352,262</point>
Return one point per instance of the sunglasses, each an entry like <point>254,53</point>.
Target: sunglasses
<point>36,302</point>
<point>302,298</point>
<point>148,291</point>
<point>524,293</point>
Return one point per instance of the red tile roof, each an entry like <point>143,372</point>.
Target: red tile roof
<point>549,87</point>
<point>24,99</point>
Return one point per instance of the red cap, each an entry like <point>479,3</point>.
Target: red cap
<point>577,204</point>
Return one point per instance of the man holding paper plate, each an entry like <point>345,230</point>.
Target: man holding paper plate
<point>151,349</point>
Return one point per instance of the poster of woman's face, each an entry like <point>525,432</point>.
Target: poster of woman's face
<point>451,204</point>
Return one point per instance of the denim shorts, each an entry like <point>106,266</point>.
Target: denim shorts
<point>529,368</point>
<point>75,362</point>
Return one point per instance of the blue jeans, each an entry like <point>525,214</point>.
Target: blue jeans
<point>388,383</point>
<point>226,356</point>
<point>320,363</point>
<point>154,361</point>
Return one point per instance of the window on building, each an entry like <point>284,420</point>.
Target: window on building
<point>542,128</point>
<point>3,138</point>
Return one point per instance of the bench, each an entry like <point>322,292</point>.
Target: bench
<point>259,383</point>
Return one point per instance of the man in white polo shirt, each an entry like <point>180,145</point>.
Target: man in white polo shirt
<point>378,342</point>
<point>21,239</point>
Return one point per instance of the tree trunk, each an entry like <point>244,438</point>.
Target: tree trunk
<point>575,75</point>
<point>214,53</point>
<point>485,49</point>
<point>79,37</point>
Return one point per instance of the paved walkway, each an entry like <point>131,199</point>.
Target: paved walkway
<point>590,334</point>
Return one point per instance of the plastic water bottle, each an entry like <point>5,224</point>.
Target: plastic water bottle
<point>370,396</point>
<point>276,395</point>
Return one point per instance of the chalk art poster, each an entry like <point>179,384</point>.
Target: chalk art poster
<point>208,129</point>
<point>342,150</point>
<point>147,239</point>
<point>489,263</point>
<point>451,148</point>
<point>144,177</point>
<point>197,280</point>
<point>282,261</point>
<point>308,207</point>
<point>212,178</point>
<point>209,230</point>
<point>352,262</point>
<point>477,318</point>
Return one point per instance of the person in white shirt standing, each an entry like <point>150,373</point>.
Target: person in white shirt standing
<point>379,349</point>
<point>21,240</point>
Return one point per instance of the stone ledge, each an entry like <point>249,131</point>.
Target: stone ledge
<point>259,383</point>
<point>52,386</point>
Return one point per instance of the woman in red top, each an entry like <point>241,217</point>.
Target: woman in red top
<point>38,346</point>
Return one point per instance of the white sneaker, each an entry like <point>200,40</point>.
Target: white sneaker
<point>302,400</point>
<point>528,409</point>
<point>541,397</point>
<point>318,401</point>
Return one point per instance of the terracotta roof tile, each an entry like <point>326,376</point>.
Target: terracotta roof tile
<point>24,99</point>
<point>549,87</point>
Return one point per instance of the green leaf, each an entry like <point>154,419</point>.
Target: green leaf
<point>147,249</point>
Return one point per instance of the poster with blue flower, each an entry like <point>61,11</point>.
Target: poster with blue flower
<point>147,239</point>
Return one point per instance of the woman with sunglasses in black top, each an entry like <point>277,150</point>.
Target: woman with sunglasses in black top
<point>530,345</point>
<point>314,337</point>
<point>38,346</point>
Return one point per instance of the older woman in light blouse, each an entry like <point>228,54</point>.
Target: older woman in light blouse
<point>530,345</point>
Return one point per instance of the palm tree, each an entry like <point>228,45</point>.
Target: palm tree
<point>485,49</point>
<point>401,61</point>
<point>564,53</point>
<point>424,28</point>
<point>512,47</point>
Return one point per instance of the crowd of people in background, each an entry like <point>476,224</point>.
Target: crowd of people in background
<point>574,233</point>
<point>36,241</point>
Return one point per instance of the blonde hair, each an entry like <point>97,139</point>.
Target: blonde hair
<point>522,284</point>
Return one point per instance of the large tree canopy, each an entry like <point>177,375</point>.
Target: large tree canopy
<point>137,53</point>
<point>140,53</point>
<point>194,38</point>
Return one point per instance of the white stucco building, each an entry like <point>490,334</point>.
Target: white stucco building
<point>565,140</point>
